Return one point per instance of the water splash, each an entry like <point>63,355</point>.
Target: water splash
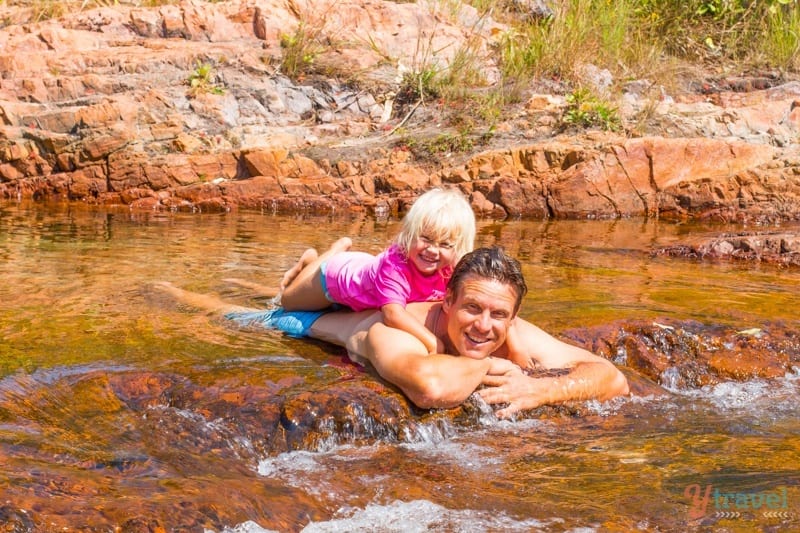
<point>758,395</point>
<point>462,455</point>
<point>420,516</point>
<point>671,379</point>
<point>287,464</point>
<point>244,527</point>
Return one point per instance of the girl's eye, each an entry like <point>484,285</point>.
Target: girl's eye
<point>428,241</point>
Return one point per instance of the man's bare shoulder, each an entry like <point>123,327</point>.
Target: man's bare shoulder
<point>531,342</point>
<point>383,341</point>
<point>425,312</point>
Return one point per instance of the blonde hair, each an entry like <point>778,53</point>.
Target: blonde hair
<point>442,214</point>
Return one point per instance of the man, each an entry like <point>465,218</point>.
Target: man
<point>477,320</point>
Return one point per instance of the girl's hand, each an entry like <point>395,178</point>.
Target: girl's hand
<point>502,367</point>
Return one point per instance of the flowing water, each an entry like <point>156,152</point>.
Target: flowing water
<point>79,316</point>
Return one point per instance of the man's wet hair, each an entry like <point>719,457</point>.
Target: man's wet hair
<point>489,263</point>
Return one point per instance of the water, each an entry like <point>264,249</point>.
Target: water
<point>82,327</point>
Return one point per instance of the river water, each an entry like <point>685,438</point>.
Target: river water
<point>78,315</point>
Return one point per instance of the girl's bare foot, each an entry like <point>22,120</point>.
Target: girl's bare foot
<point>308,257</point>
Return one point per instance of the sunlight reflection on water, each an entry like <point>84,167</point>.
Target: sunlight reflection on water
<point>79,323</point>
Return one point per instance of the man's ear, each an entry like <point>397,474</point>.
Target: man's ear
<point>448,296</point>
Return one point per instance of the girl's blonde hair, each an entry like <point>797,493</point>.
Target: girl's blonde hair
<point>443,215</point>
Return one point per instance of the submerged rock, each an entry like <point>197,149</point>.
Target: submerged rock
<point>179,438</point>
<point>689,354</point>
<point>782,249</point>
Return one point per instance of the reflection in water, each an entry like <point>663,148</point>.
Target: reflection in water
<point>115,403</point>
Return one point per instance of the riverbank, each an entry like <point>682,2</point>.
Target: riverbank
<point>186,107</point>
<point>181,107</point>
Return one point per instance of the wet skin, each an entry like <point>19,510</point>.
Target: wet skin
<point>480,315</point>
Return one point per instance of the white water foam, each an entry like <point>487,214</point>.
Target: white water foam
<point>288,464</point>
<point>244,527</point>
<point>418,516</point>
<point>421,516</point>
<point>777,396</point>
<point>612,407</point>
<point>463,455</point>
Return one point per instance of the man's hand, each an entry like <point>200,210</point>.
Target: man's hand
<point>517,390</point>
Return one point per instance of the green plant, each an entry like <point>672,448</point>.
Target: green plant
<point>781,42</point>
<point>736,30</point>
<point>418,85</point>
<point>446,143</point>
<point>201,80</point>
<point>585,110</point>
<point>582,31</point>
<point>300,49</point>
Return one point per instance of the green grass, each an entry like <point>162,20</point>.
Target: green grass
<point>654,40</point>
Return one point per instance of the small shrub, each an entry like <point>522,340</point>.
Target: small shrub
<point>587,111</point>
<point>201,80</point>
<point>300,49</point>
<point>418,85</point>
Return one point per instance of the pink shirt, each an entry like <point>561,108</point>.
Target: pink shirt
<point>364,281</point>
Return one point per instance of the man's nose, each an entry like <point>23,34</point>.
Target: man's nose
<point>483,321</point>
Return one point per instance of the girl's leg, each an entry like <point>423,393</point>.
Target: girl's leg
<point>304,291</point>
<point>308,257</point>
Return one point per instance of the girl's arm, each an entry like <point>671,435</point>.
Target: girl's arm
<point>396,316</point>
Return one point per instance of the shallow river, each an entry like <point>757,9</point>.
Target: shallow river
<point>77,306</point>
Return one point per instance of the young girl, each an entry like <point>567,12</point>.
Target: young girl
<point>437,230</point>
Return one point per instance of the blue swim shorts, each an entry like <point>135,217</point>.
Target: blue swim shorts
<point>323,269</point>
<point>293,323</point>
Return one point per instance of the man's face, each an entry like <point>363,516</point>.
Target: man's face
<point>479,315</point>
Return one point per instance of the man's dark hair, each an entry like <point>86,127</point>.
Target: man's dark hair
<point>489,263</point>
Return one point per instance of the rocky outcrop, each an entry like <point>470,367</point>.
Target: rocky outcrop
<point>176,438</point>
<point>688,354</point>
<point>184,107</point>
<point>768,247</point>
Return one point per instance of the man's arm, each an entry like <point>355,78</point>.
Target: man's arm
<point>434,380</point>
<point>590,376</point>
